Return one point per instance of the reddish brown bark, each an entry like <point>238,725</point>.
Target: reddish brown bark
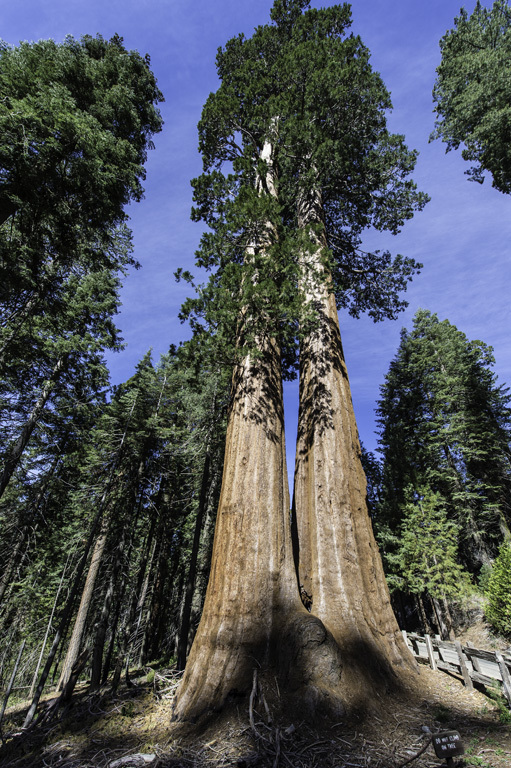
<point>338,561</point>
<point>253,616</point>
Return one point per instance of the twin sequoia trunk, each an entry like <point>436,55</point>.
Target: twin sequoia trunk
<point>339,564</point>
<point>253,617</point>
<point>252,614</point>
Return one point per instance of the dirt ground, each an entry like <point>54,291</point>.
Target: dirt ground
<point>102,731</point>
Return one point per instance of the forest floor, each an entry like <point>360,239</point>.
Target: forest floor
<point>133,728</point>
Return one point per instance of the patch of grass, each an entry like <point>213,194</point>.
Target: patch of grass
<point>128,709</point>
<point>495,694</point>
<point>478,761</point>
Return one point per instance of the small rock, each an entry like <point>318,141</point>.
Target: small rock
<point>133,761</point>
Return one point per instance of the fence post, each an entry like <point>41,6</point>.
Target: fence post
<point>429,648</point>
<point>463,664</point>
<point>506,681</point>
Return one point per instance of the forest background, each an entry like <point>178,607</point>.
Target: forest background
<point>461,237</point>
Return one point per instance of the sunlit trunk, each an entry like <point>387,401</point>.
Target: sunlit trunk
<point>338,560</point>
<point>75,644</point>
<point>253,617</point>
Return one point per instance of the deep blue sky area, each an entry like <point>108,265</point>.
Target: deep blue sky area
<point>462,237</point>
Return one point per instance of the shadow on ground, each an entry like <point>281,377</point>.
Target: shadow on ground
<point>99,730</point>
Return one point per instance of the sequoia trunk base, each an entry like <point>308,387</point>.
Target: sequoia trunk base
<point>253,617</point>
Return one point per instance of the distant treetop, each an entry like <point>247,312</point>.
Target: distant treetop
<point>473,92</point>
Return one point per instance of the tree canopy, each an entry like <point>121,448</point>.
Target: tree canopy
<point>306,86</point>
<point>76,121</point>
<point>473,92</point>
<point>445,424</point>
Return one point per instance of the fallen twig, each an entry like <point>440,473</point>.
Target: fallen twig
<point>418,754</point>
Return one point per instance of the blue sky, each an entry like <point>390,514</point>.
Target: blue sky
<point>462,237</point>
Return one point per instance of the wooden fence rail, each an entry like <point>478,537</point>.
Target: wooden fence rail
<point>473,665</point>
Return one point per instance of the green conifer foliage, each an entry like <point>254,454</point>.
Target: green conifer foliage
<point>445,424</point>
<point>428,547</point>
<point>473,92</point>
<point>498,611</point>
<point>76,121</point>
<point>139,460</point>
<point>304,84</point>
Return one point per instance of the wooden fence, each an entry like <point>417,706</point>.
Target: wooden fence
<point>473,665</point>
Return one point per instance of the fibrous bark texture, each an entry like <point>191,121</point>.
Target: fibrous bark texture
<point>339,564</point>
<point>252,614</point>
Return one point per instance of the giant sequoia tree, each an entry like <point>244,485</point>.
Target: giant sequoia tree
<point>297,163</point>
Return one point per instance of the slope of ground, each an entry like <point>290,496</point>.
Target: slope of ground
<point>102,731</point>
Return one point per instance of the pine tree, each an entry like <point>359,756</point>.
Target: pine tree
<point>427,553</point>
<point>77,120</point>
<point>125,493</point>
<point>472,91</point>
<point>445,424</point>
<point>498,610</point>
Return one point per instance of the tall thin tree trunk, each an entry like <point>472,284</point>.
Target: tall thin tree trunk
<point>339,563</point>
<point>75,642</point>
<point>102,624</point>
<point>422,613</point>
<point>117,613</point>
<point>16,450</point>
<point>124,652</point>
<point>64,620</point>
<point>448,618</point>
<point>184,630</point>
<point>142,628</point>
<point>48,628</point>
<point>160,603</point>
<point>8,566</point>
<point>11,681</point>
<point>443,619</point>
<point>73,650</point>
